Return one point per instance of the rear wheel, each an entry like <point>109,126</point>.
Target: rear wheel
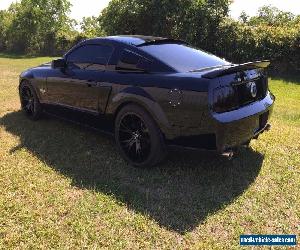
<point>29,101</point>
<point>138,138</point>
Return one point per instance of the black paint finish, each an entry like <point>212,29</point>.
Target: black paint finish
<point>181,103</point>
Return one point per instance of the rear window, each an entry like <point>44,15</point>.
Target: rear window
<point>183,58</point>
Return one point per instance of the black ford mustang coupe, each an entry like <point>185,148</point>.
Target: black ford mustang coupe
<point>152,92</point>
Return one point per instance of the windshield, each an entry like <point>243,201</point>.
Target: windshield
<point>183,58</point>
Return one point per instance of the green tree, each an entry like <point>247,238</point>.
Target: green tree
<point>90,27</point>
<point>192,20</point>
<point>244,18</point>
<point>270,15</point>
<point>6,18</point>
<point>38,24</point>
<point>147,17</point>
<point>3,27</point>
<point>201,22</point>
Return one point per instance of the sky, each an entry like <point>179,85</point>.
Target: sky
<point>82,8</point>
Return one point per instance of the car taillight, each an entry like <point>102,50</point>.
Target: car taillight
<point>224,99</point>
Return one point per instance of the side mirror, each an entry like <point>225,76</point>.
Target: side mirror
<point>58,63</point>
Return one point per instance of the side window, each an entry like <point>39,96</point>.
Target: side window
<point>132,62</point>
<point>90,57</point>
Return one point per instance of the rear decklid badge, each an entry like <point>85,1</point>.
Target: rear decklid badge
<point>252,88</point>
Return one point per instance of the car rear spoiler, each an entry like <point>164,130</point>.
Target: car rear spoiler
<point>235,68</point>
<point>162,41</point>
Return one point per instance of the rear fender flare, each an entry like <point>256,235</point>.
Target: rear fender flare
<point>138,96</point>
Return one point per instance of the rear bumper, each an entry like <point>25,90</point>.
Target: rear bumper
<point>237,127</point>
<point>231,129</point>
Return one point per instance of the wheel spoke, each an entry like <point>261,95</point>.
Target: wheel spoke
<point>138,148</point>
<point>133,122</point>
<point>144,129</point>
<point>28,93</point>
<point>129,143</point>
<point>141,125</point>
<point>134,138</point>
<point>28,106</point>
<point>27,99</point>
<point>125,128</point>
<point>32,107</point>
<point>126,131</point>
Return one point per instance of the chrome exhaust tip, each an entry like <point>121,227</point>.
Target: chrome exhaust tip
<point>268,127</point>
<point>228,154</point>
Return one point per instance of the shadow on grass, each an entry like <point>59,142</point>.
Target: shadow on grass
<point>179,194</point>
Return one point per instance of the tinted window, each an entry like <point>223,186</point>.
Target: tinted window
<point>129,57</point>
<point>182,57</point>
<point>90,57</point>
<point>132,61</point>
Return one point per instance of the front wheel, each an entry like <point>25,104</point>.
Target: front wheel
<point>29,101</point>
<point>138,138</point>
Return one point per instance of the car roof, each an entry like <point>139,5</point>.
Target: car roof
<point>133,40</point>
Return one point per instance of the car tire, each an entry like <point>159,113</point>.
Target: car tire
<point>30,103</point>
<point>138,137</point>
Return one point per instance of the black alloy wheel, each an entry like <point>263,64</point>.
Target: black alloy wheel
<point>29,101</point>
<point>138,138</point>
<point>134,138</point>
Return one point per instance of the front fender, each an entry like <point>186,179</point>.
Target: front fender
<point>37,80</point>
<point>28,74</point>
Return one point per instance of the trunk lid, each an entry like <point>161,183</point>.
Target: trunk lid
<point>237,85</point>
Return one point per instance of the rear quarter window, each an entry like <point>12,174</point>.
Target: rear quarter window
<point>130,60</point>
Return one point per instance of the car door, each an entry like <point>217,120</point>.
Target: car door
<point>79,84</point>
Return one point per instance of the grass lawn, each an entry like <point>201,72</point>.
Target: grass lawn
<point>63,186</point>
